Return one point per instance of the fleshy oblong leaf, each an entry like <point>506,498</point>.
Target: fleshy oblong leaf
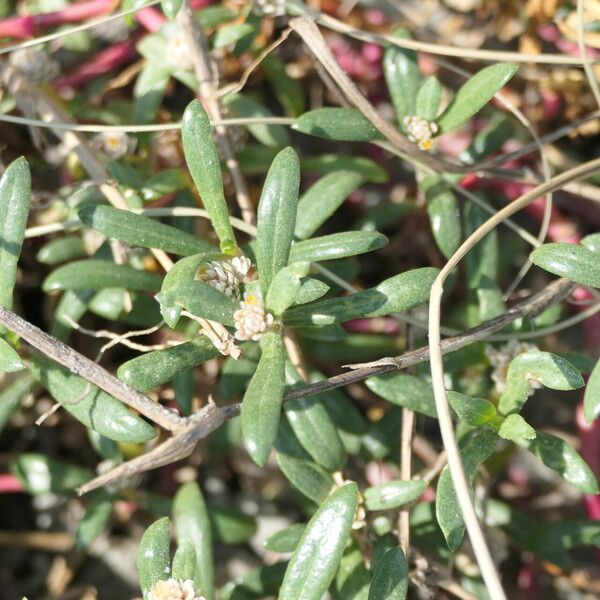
<point>276,216</point>
<point>551,370</point>
<point>556,454</point>
<point>153,560</point>
<point>184,561</point>
<point>92,274</point>
<point>577,263</point>
<point>472,411</point>
<point>327,163</point>
<point>152,369</point>
<point>193,525</point>
<point>514,428</point>
<point>262,401</point>
<point>40,474</point>
<point>449,516</point>
<point>201,299</point>
<point>390,580</point>
<point>97,512</point>
<point>323,198</point>
<point>315,561</point>
<point>229,525</point>
<point>401,71</point>
<point>444,215</point>
<point>283,290</point>
<point>475,94</point>
<point>138,230</point>
<point>171,7</point>
<point>203,162</point>
<point>337,245</point>
<point>429,98</point>
<point>96,409</point>
<point>404,390</point>
<point>393,494</point>
<point>15,199</point>
<point>591,399</point>
<point>62,249</point>
<point>396,294</point>
<point>346,124</point>
<point>285,540</point>
<point>10,361</point>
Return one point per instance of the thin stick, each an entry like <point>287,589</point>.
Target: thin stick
<point>587,67</point>
<point>480,549</point>
<point>207,88</point>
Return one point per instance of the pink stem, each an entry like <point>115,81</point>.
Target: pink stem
<point>9,484</point>
<point>106,60</point>
<point>75,12</point>
<point>17,27</point>
<point>150,19</point>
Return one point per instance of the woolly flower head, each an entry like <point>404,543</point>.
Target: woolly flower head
<point>177,51</point>
<point>251,320</point>
<point>36,65</point>
<point>174,589</point>
<point>113,144</point>
<point>269,8</point>
<point>420,131</point>
<point>500,360</point>
<point>225,275</point>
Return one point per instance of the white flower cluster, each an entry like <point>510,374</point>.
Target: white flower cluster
<point>177,51</point>
<point>420,131</point>
<point>225,275</point>
<point>174,589</point>
<point>251,320</point>
<point>113,144</point>
<point>36,65</point>
<point>500,360</point>
<point>269,8</point>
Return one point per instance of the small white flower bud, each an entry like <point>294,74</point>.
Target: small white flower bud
<point>420,131</point>
<point>225,275</point>
<point>113,144</point>
<point>251,320</point>
<point>269,8</point>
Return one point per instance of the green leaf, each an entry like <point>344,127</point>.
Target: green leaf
<point>295,463</point>
<point>171,7</point>
<point>288,91</point>
<point>11,396</point>
<point>352,579</point>
<point>337,245</point>
<point>310,290</point>
<point>382,436</point>
<point>192,525</point>
<point>556,454</point>
<point>577,263</point>
<point>262,400</point>
<point>95,409</point>
<point>61,250</point>
<point>346,124</point>
<point>449,516</point>
<point>261,582</point>
<point>314,429</point>
<point>229,525</point>
<point>592,241</point>
<point>163,183</point>
<point>323,198</point>
<point>393,494</point>
<point>285,540</point>
<point>184,561</point>
<point>153,560</point>
<point>137,230</point>
<point>444,215</point>
<point>514,428</point>
<point>202,300</point>
<point>328,163</point>
<point>429,98</point>
<point>97,512</point>
<point>15,198</point>
<point>591,399</point>
<point>43,475</point>
<point>161,366</point>
<point>475,94</point>
<point>231,34</point>
<point>401,70</point>
<point>396,294</point>
<point>283,290</point>
<point>472,411</point>
<point>404,390</point>
<point>316,559</point>
<point>268,134</point>
<point>551,370</point>
<point>10,361</point>
<point>277,216</point>
<point>203,163</point>
<point>390,580</point>
<point>94,274</point>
